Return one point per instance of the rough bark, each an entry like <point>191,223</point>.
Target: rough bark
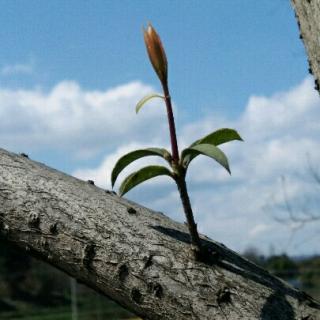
<point>308,17</point>
<point>137,257</point>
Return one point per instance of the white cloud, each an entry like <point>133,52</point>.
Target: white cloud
<point>82,122</point>
<point>288,114</point>
<point>279,131</point>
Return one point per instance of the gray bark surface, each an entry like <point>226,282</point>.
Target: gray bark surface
<point>308,17</point>
<point>137,257</point>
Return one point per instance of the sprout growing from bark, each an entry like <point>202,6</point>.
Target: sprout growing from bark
<point>178,164</point>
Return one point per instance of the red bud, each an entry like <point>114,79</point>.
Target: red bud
<point>156,53</point>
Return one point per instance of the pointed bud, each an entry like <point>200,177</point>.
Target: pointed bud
<point>156,53</point>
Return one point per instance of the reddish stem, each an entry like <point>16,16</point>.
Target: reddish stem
<point>192,226</point>
<point>172,128</point>
<point>180,178</point>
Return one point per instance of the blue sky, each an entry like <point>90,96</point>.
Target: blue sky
<point>72,71</point>
<point>217,52</point>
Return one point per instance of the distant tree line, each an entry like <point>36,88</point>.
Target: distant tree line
<point>301,273</point>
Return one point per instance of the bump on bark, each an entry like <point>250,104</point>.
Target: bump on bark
<point>223,296</point>
<point>123,272</point>
<point>110,192</point>
<point>131,210</point>
<point>148,261</point>
<point>207,255</point>
<point>45,244</point>
<point>317,84</point>
<point>34,220</point>
<point>2,225</point>
<point>24,155</point>
<point>136,296</point>
<point>4,229</point>
<point>54,228</point>
<point>277,307</point>
<point>89,254</point>
<point>156,289</point>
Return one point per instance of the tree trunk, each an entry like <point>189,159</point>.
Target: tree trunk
<point>135,256</point>
<point>308,16</point>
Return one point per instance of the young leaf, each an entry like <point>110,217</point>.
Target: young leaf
<point>125,160</point>
<point>219,137</point>
<point>146,99</point>
<point>142,175</point>
<point>215,138</point>
<point>207,150</point>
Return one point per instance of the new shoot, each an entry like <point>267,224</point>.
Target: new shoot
<point>178,163</point>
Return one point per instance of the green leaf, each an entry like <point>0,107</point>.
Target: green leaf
<point>207,150</point>
<point>125,160</point>
<point>142,175</point>
<point>146,99</point>
<point>215,138</point>
<point>219,137</point>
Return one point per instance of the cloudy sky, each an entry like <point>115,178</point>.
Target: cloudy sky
<point>71,73</point>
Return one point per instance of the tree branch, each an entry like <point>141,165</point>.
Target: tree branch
<point>308,17</point>
<point>137,257</point>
